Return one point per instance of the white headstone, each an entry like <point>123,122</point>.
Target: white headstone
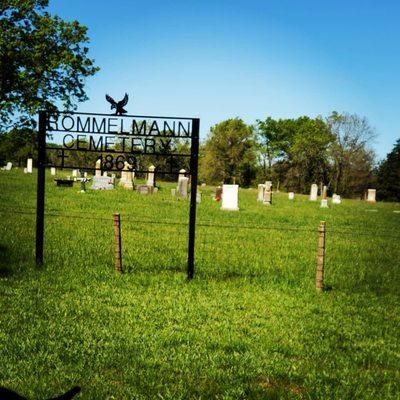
<point>198,197</point>
<point>371,195</point>
<point>25,170</point>
<point>261,188</point>
<point>98,168</point>
<point>230,197</point>
<point>291,195</point>
<point>29,165</point>
<point>74,172</point>
<point>102,183</point>
<point>314,192</point>
<point>105,173</point>
<point>8,167</point>
<point>128,180</point>
<point>183,186</point>
<point>182,173</point>
<point>336,199</point>
<point>268,193</point>
<point>150,176</point>
<point>324,203</point>
<point>52,171</point>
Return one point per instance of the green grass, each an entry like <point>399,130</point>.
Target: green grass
<point>249,326</point>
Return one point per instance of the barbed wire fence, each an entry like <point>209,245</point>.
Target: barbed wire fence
<point>171,238</point>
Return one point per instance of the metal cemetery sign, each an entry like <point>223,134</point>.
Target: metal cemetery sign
<point>117,139</point>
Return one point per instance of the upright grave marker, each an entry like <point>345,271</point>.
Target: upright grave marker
<point>314,192</point>
<point>117,139</point>
<point>230,197</point>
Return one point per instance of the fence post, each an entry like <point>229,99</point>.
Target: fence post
<point>319,281</point>
<point>117,235</point>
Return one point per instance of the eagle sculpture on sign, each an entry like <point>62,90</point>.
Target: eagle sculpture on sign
<point>119,107</point>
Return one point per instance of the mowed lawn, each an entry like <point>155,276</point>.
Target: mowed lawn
<point>249,326</point>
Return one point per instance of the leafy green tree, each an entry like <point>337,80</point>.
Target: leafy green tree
<point>388,176</point>
<point>228,155</point>
<point>353,135</point>
<point>271,144</point>
<point>295,150</point>
<point>308,153</point>
<point>43,61</point>
<point>17,145</point>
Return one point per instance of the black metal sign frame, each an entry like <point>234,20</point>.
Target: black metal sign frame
<point>121,138</point>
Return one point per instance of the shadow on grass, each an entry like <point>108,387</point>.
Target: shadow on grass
<point>7,394</point>
<point>5,261</point>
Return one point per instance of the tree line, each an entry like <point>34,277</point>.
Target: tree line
<point>294,153</point>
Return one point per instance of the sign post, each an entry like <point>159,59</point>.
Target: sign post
<point>194,162</point>
<point>41,175</point>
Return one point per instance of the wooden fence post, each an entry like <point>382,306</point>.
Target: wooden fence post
<point>319,281</point>
<point>117,235</point>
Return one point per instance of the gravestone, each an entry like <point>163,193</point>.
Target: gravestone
<point>150,176</point>
<point>336,199</point>
<point>75,173</point>
<point>64,182</point>
<point>203,185</point>
<point>25,170</point>
<point>182,173</point>
<point>102,183</point>
<point>324,200</point>
<point>268,193</point>
<point>129,181</point>
<point>126,180</point>
<point>8,167</point>
<point>124,171</point>
<point>145,189</point>
<point>98,168</point>
<point>371,196</point>
<point>198,197</point>
<point>314,192</point>
<point>173,192</point>
<point>182,188</point>
<point>230,197</point>
<point>29,165</point>
<point>291,195</point>
<point>218,194</point>
<point>52,171</point>
<point>261,188</point>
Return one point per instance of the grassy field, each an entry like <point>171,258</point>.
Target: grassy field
<point>249,326</point>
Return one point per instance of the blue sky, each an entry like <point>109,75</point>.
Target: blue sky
<point>249,59</point>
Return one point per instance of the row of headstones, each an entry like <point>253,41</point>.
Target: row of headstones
<point>27,170</point>
<point>229,195</point>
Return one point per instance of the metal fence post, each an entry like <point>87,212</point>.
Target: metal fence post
<point>117,235</point>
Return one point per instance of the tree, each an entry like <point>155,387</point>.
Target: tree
<point>296,150</point>
<point>270,139</point>
<point>307,154</point>
<point>353,134</point>
<point>17,145</point>
<point>388,176</point>
<point>229,153</point>
<point>43,61</point>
